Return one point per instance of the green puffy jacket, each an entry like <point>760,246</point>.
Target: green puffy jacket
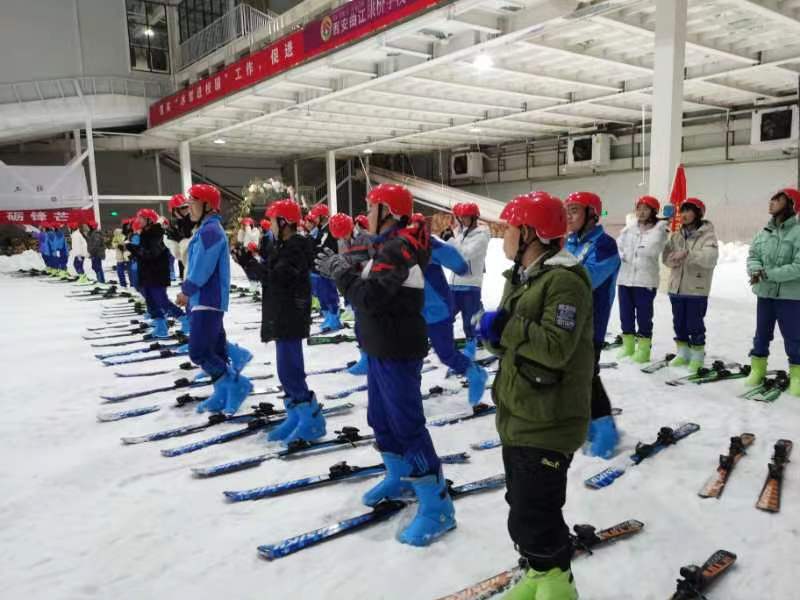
<point>776,251</point>
<point>544,386</point>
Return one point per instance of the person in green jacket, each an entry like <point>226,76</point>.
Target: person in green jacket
<point>542,333</point>
<point>773,265</point>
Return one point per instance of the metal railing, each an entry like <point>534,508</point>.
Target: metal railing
<point>31,91</point>
<point>242,21</point>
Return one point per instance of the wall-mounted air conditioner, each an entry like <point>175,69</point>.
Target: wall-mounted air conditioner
<point>590,151</point>
<point>466,165</point>
<point>774,128</point>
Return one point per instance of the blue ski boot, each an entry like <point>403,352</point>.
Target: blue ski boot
<point>185,326</point>
<point>470,348</point>
<point>395,483</point>
<point>160,329</point>
<point>311,421</point>
<point>289,424</point>
<point>476,379</point>
<point>436,514</point>
<point>361,367</point>
<point>216,401</point>
<point>239,356</point>
<point>603,437</point>
<point>237,388</point>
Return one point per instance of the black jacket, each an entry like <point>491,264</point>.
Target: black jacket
<point>152,256</point>
<point>388,302</point>
<point>286,287</point>
<point>180,229</point>
<point>323,240</point>
<point>96,244</point>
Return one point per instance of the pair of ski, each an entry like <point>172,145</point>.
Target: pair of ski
<point>361,388</point>
<point>181,350</point>
<point>183,382</point>
<point>770,389</point>
<point>719,371</point>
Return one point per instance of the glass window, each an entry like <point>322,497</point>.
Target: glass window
<point>148,36</point>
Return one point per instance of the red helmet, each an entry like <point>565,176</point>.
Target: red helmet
<point>92,224</point>
<point>136,225</point>
<point>177,201</point>
<point>418,218</point>
<point>587,199</point>
<point>265,224</point>
<point>317,212</point>
<point>247,221</point>
<point>252,247</point>
<point>793,195</point>
<point>207,194</point>
<point>72,225</point>
<point>650,201</point>
<point>340,225</point>
<point>466,209</point>
<point>696,202</point>
<point>544,213</point>
<point>147,213</point>
<point>396,198</point>
<point>289,210</point>
<point>362,221</point>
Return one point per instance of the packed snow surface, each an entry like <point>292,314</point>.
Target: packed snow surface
<point>83,516</point>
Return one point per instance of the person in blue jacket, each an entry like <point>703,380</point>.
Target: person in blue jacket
<point>597,251</point>
<point>60,251</point>
<point>205,289</point>
<point>439,312</point>
<point>44,245</point>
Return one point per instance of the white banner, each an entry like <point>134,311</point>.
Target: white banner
<point>41,188</point>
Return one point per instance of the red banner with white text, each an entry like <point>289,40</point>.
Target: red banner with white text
<point>37,217</point>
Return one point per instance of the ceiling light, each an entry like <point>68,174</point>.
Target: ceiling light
<point>219,141</point>
<point>483,61</point>
<point>367,150</point>
<point>149,32</point>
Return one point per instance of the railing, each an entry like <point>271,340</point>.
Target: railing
<point>30,91</point>
<point>242,21</point>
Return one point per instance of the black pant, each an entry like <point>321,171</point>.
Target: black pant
<point>601,405</point>
<point>536,489</point>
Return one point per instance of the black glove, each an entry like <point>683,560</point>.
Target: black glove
<point>446,234</point>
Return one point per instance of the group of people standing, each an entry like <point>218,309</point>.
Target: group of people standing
<point>85,241</point>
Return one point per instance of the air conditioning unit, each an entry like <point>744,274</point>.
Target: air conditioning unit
<point>590,151</point>
<point>466,165</point>
<point>774,128</point>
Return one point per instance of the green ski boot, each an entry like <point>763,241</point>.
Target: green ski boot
<point>794,380</point>
<point>642,350</point>
<point>698,355</point>
<point>758,370</point>
<point>628,345</point>
<point>554,584</point>
<point>682,355</point>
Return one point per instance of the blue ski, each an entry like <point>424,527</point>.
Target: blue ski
<point>252,428</point>
<point>361,388</point>
<point>182,351</point>
<point>150,348</point>
<point>479,410</point>
<point>379,513</point>
<point>486,444</point>
<point>185,366</point>
<point>127,414</point>
<point>183,382</point>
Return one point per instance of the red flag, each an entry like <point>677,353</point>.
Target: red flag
<point>677,196</point>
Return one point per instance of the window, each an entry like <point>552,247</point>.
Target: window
<point>196,15</point>
<point>148,36</point>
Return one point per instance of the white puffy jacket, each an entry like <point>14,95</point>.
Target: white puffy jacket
<point>248,234</point>
<point>472,244</point>
<point>640,251</point>
<point>79,247</point>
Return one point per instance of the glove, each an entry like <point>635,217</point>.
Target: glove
<point>331,265</point>
<point>757,277</point>
<point>491,325</point>
<point>446,234</point>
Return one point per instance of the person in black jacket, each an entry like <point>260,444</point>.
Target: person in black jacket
<point>152,258</point>
<point>388,297</point>
<point>286,317</point>
<point>180,230</point>
<point>322,287</point>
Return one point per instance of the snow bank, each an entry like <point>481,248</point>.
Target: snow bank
<point>30,259</point>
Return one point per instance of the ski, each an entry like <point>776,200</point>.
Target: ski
<point>656,366</point>
<point>696,580</point>
<point>331,369</point>
<point>330,339</point>
<point>666,437</point>
<point>341,471</point>
<point>479,410</point>
<point>770,390</point>
<point>770,497</point>
<point>177,336</point>
<point>718,371</point>
<point>127,333</point>
<point>107,417</point>
<point>361,388</point>
<point>252,428</point>
<point>177,384</point>
<point>615,343</point>
<point>486,444</point>
<point>184,366</point>
<point>180,351</point>
<point>346,437</point>
<point>585,540</point>
<point>151,348</point>
<point>716,484</point>
<point>185,399</point>
<point>381,512</point>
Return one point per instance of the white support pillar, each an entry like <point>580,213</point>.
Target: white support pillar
<point>92,172</point>
<point>185,158</point>
<point>296,169</point>
<point>665,136</point>
<point>159,185</point>
<point>76,140</point>
<point>330,168</point>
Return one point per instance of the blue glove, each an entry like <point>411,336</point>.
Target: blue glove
<point>491,325</point>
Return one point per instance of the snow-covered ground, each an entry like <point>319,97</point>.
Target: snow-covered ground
<point>82,516</point>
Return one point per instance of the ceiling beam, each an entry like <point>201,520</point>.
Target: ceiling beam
<point>769,9</point>
<point>393,50</point>
<point>490,89</point>
<point>500,67</point>
<point>613,63</point>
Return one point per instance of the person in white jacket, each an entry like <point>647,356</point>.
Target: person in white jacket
<point>640,245</point>
<point>79,250</point>
<point>472,241</point>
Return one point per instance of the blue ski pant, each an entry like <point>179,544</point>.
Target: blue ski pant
<point>122,267</point>
<point>787,314</point>
<point>394,411</point>
<point>291,369</point>
<point>97,267</point>
<point>468,303</point>
<point>158,304</point>
<point>62,260</point>
<point>207,342</point>
<point>441,336</point>
<point>77,263</point>
<point>171,267</point>
<point>325,291</point>
<point>48,260</point>
<point>688,318</point>
<point>636,307</point>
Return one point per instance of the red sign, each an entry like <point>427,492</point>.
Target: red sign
<point>350,22</point>
<point>37,217</point>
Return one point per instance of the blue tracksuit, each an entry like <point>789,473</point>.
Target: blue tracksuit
<point>439,304</point>
<point>787,314</point>
<point>636,306</point>
<point>60,250</point>
<point>133,268</point>
<point>598,253</point>
<point>325,291</point>
<point>291,369</point>
<point>207,283</point>
<point>44,248</point>
<point>688,318</point>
